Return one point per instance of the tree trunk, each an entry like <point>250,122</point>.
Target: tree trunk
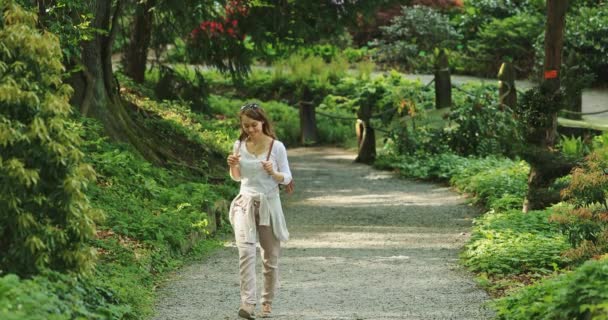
<point>96,90</point>
<point>443,85</point>
<point>506,88</point>
<point>136,54</point>
<point>540,178</point>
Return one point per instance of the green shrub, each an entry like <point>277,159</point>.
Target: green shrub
<point>493,181</point>
<point>45,216</point>
<point>414,35</point>
<point>477,13</point>
<point>498,182</point>
<point>55,296</point>
<point>479,126</point>
<point>589,184</point>
<point>581,294</point>
<point>508,39</point>
<point>513,243</point>
<point>573,147</point>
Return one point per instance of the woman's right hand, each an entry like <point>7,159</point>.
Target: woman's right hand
<point>233,160</point>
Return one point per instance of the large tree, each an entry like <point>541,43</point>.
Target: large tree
<point>546,164</point>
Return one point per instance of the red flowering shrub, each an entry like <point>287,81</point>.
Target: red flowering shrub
<point>221,42</point>
<point>587,225</point>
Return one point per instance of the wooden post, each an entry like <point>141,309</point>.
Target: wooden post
<point>506,86</point>
<point>540,176</point>
<point>308,123</point>
<point>443,85</point>
<point>365,136</point>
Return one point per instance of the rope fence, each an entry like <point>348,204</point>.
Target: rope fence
<point>583,113</point>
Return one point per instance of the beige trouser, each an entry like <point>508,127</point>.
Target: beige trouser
<point>270,248</point>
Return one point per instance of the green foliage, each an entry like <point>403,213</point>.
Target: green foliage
<point>514,242</point>
<point>586,225</point>
<point>414,35</point>
<point>508,39</point>
<point>71,29</point>
<point>440,166</point>
<point>56,296</point>
<point>156,217</point>
<point>533,107</point>
<point>586,35</point>
<point>482,127</point>
<point>45,216</point>
<point>589,184</point>
<point>500,183</point>
<point>600,141</point>
<point>477,13</point>
<point>330,52</point>
<point>577,225</point>
<point>573,147</point>
<point>581,294</point>
<point>190,88</point>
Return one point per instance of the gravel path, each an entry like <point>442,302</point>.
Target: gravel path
<point>364,245</point>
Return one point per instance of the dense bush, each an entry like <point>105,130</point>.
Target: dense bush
<point>508,39</point>
<point>501,185</point>
<point>585,35</point>
<point>45,216</point>
<point>581,294</point>
<point>481,127</point>
<point>514,242</point>
<point>56,296</point>
<point>586,224</point>
<point>411,38</point>
<point>476,13</point>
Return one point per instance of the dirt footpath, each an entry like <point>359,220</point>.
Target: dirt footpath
<point>364,245</point>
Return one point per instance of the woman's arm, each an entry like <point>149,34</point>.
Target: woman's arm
<point>281,174</point>
<point>282,165</point>
<point>233,162</point>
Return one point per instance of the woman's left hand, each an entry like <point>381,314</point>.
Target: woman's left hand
<point>268,167</point>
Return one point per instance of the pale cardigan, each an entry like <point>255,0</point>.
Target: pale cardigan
<point>256,184</point>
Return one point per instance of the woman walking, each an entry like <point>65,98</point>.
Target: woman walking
<point>260,163</point>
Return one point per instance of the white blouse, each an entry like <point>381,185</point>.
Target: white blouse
<point>258,185</point>
<point>262,181</point>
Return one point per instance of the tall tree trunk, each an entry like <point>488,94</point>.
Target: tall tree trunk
<point>136,54</point>
<point>540,178</point>
<point>96,90</point>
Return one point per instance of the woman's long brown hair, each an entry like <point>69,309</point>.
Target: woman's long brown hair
<point>255,112</point>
